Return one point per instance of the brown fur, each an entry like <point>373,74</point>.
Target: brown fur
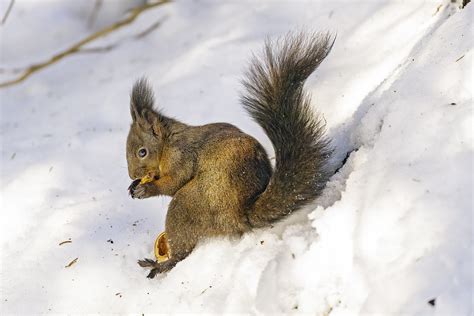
<point>220,178</point>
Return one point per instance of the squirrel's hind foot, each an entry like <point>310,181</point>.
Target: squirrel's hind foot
<point>152,273</point>
<point>147,263</point>
<point>157,267</point>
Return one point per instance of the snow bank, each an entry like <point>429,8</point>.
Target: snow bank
<point>391,232</point>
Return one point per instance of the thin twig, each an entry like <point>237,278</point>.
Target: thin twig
<point>94,13</point>
<point>102,49</point>
<point>153,27</point>
<point>11,70</point>
<point>71,263</point>
<point>437,9</point>
<point>459,58</point>
<point>10,6</point>
<point>134,13</point>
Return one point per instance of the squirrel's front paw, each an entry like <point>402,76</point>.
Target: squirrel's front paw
<point>142,191</point>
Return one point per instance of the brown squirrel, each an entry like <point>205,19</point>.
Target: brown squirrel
<point>220,178</point>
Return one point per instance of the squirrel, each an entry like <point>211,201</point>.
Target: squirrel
<point>220,178</point>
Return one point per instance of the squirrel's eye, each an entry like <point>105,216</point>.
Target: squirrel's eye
<point>142,152</point>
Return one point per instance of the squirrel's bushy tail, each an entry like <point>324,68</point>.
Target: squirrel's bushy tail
<point>276,100</point>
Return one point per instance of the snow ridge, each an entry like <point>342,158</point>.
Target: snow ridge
<point>389,235</point>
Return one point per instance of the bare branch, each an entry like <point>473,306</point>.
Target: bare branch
<point>134,13</point>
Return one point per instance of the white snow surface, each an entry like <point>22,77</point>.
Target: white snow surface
<point>391,232</point>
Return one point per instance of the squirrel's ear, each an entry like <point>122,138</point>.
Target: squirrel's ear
<point>141,108</point>
<point>141,98</point>
<point>133,111</point>
<point>152,121</point>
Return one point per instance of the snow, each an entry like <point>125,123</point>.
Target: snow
<point>392,230</point>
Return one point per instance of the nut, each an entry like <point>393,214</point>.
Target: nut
<point>162,249</point>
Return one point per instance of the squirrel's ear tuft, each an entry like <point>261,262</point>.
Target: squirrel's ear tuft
<point>141,99</point>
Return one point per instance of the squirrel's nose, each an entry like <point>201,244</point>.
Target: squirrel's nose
<point>132,175</point>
